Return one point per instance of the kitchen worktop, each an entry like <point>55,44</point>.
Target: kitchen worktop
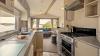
<point>16,47</point>
<point>90,40</point>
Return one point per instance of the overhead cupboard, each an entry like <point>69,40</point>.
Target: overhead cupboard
<point>7,5</point>
<point>71,6</point>
<point>74,4</point>
<point>7,2</point>
<point>91,8</point>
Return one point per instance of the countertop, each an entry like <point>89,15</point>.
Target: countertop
<point>90,40</point>
<point>16,47</point>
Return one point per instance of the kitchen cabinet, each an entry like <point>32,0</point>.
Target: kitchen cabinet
<point>74,4</point>
<point>83,49</point>
<point>38,43</point>
<point>8,4</point>
<point>31,51</point>
<point>91,8</point>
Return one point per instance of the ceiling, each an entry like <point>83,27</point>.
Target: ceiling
<point>19,6</point>
<point>38,6</point>
<point>65,1</point>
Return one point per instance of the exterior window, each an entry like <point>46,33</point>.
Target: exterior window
<point>54,23</point>
<point>7,24</point>
<point>45,23</point>
<point>34,23</point>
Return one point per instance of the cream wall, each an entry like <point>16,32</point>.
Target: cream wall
<point>57,10</point>
<point>82,21</point>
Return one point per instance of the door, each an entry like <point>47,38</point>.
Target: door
<point>83,49</point>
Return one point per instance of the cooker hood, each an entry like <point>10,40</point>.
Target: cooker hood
<point>77,4</point>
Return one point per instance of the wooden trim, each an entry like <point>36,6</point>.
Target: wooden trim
<point>52,3</point>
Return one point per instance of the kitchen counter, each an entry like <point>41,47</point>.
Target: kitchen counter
<point>16,47</point>
<point>90,40</point>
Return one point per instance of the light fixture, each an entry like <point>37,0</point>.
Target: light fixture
<point>62,8</point>
<point>40,12</point>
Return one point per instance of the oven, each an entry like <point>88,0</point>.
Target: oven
<point>66,46</point>
<point>67,39</point>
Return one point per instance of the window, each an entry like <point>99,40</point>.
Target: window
<point>45,23</point>
<point>34,23</point>
<point>7,24</point>
<point>54,23</point>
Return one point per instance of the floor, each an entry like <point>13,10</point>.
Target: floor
<point>49,54</point>
<point>49,49</point>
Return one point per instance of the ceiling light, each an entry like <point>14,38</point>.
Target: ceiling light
<point>62,8</point>
<point>40,12</point>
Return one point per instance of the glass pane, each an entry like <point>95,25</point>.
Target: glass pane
<point>54,23</point>
<point>45,23</point>
<point>7,24</point>
<point>34,23</point>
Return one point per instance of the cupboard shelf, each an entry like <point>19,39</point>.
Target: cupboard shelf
<point>93,16</point>
<point>89,1</point>
<point>91,8</point>
<point>92,3</point>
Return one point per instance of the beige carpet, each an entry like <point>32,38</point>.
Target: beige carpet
<point>48,46</point>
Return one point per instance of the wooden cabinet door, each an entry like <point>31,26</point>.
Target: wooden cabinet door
<point>10,3</point>
<point>31,52</point>
<point>83,49</point>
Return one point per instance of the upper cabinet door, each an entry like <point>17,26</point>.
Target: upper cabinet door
<point>10,3</point>
<point>91,8</point>
<point>7,3</point>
